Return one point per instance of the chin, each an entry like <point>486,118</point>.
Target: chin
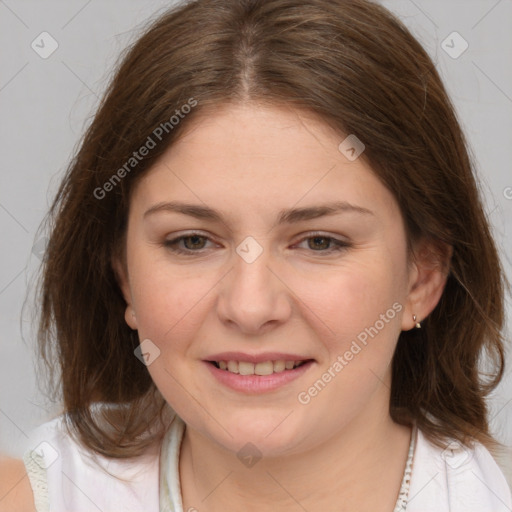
<point>268,437</point>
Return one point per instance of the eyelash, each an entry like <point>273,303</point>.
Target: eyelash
<point>339,245</point>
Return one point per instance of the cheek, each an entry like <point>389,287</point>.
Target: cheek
<point>166,297</point>
<point>169,306</point>
<point>170,312</point>
<point>351,299</point>
<point>358,316</point>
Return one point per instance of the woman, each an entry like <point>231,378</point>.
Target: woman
<point>270,277</point>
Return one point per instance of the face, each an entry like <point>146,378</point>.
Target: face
<point>268,279</point>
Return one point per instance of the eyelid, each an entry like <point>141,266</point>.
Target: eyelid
<point>312,234</point>
<point>177,238</point>
<point>338,243</point>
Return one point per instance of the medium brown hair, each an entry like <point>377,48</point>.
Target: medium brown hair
<point>358,68</point>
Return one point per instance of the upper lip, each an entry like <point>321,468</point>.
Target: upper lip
<point>256,358</point>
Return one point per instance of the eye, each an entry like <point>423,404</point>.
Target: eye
<point>319,242</point>
<point>193,242</point>
<point>196,243</point>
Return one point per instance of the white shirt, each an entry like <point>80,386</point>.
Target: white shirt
<point>66,477</point>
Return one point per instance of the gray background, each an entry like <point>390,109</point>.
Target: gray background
<point>45,104</point>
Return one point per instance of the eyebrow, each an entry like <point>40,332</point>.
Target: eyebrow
<point>288,216</point>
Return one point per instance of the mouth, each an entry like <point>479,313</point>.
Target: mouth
<point>262,368</point>
<point>257,378</point>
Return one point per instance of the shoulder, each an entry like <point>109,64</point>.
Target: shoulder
<point>23,482</point>
<point>15,490</point>
<point>456,478</point>
<point>64,472</point>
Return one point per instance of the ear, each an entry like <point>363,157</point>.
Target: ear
<point>427,279</point>
<point>121,273</point>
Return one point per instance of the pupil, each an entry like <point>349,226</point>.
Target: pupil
<point>194,239</point>
<point>317,238</point>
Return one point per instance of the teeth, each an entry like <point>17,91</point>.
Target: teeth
<point>245,368</point>
<point>232,366</point>
<point>263,368</point>
<point>279,366</point>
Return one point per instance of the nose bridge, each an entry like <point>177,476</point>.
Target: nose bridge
<point>252,296</point>
<point>251,267</point>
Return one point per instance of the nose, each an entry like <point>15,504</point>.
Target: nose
<point>253,298</point>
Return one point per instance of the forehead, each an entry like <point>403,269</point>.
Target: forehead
<point>261,157</point>
<point>260,132</point>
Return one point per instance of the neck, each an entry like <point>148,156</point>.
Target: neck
<point>359,468</point>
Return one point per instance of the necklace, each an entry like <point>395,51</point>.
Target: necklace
<point>403,495</point>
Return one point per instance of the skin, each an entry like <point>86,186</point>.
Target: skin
<point>15,490</point>
<point>250,161</point>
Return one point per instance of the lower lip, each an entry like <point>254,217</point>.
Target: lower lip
<point>257,383</point>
